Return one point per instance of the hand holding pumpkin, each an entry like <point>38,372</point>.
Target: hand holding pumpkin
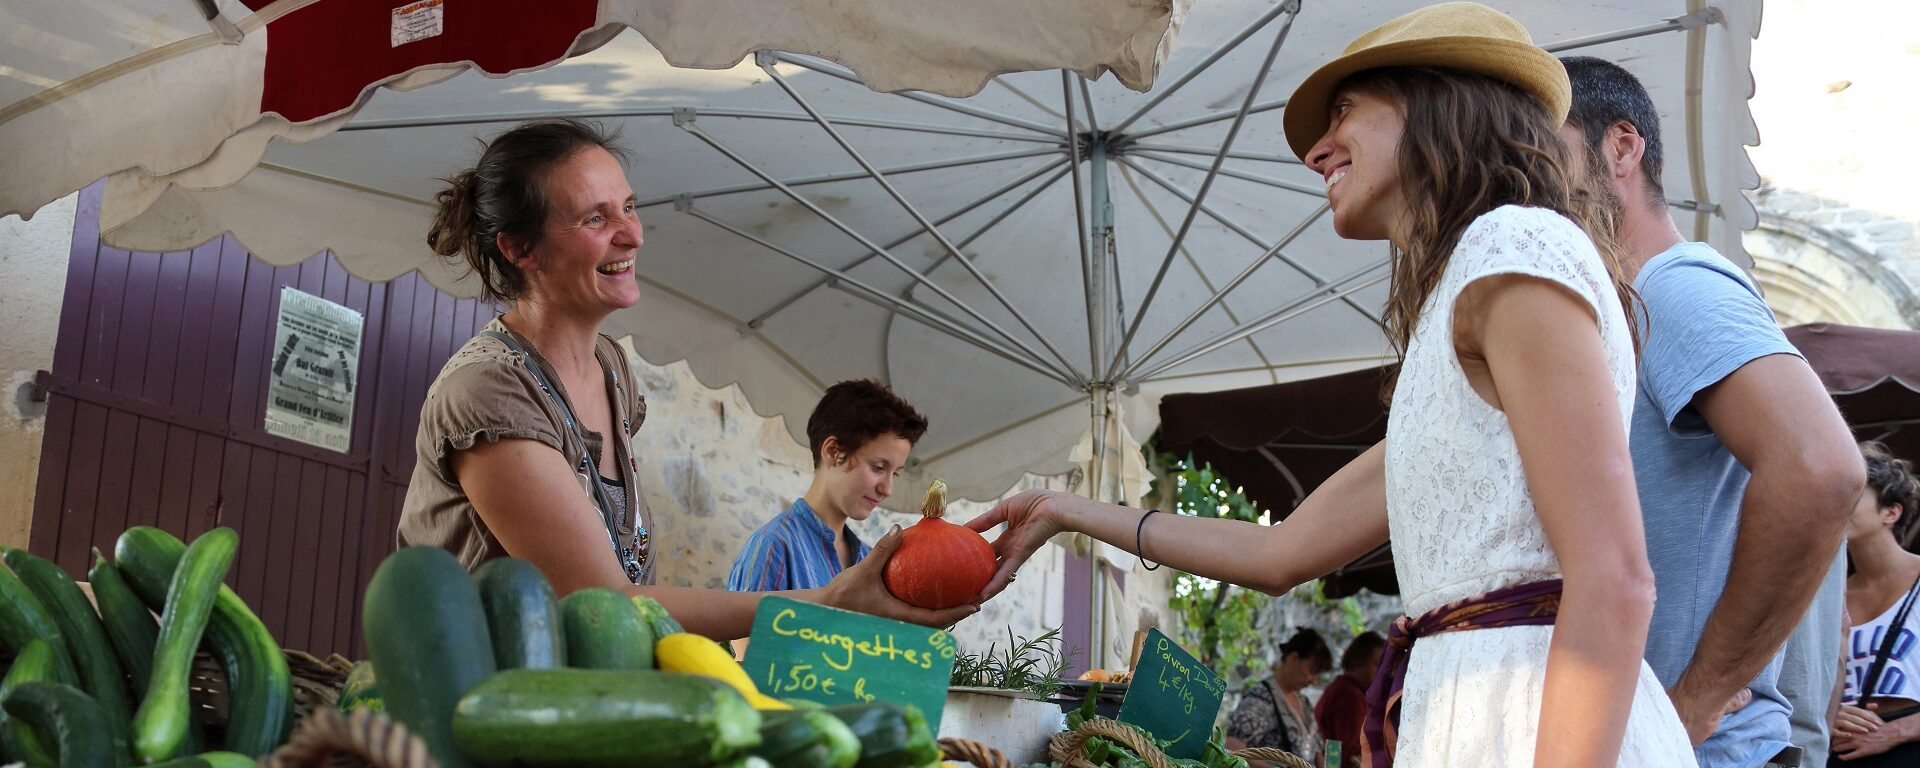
<point>1030,523</point>
<point>862,588</point>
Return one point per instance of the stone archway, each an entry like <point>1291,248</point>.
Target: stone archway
<point>1810,273</point>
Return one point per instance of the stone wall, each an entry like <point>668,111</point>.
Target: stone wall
<point>1822,260</point>
<point>33,256</point>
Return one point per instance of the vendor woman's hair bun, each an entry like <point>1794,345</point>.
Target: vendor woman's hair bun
<point>504,195</point>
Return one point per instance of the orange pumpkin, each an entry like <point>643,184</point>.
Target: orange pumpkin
<point>939,565</point>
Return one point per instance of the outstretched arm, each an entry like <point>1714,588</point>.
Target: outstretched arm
<point>1339,522</point>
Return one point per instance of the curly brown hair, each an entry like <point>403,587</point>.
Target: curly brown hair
<point>1893,482</point>
<point>1472,143</point>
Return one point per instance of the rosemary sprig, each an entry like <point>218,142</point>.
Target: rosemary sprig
<point>1025,665</point>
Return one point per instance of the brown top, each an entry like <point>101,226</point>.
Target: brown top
<point>485,392</point>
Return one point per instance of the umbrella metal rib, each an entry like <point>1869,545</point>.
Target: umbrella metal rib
<point>1243,232</point>
<point>876,296</point>
<point>767,64</point>
<point>1080,215</point>
<point>1208,119</point>
<point>1695,20</point>
<point>932,101</point>
<point>686,123</point>
<point>1318,297</point>
<point>851,175</point>
<point>1206,185</point>
<point>957,213</point>
<point>743,114</point>
<point>1291,7</point>
<point>936,265</point>
<point>1189,149</point>
<point>1222,292</point>
<point>1291,186</point>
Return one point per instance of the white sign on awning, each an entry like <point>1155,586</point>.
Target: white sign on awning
<point>316,358</point>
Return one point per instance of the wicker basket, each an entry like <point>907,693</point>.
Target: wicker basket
<point>1069,748</point>
<point>329,739</point>
<point>316,685</point>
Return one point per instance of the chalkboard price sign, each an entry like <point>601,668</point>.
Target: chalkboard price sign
<point>826,655</point>
<point>1173,696</point>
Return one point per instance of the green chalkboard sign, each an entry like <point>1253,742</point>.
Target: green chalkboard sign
<point>826,655</point>
<point>1173,696</point>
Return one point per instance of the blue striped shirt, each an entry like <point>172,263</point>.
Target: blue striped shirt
<point>794,550</point>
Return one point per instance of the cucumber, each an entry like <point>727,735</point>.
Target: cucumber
<point>73,720</point>
<point>99,670</point>
<point>37,663</point>
<point>605,631</point>
<point>160,726</point>
<point>259,684</point>
<point>427,635</point>
<point>523,616</point>
<point>23,618</point>
<point>130,626</point>
<point>362,689</point>
<point>891,735</point>
<point>662,622</point>
<point>588,717</point>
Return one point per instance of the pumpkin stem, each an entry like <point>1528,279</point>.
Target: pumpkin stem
<point>935,504</point>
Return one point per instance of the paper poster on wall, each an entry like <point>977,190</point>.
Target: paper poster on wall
<point>316,357</point>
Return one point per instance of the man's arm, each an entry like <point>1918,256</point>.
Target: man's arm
<point>1778,421</point>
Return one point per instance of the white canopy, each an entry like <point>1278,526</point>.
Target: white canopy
<point>789,206</point>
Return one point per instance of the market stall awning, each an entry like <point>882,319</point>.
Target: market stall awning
<point>1049,254</point>
<point>1874,375</point>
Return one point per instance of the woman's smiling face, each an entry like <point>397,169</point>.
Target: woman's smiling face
<point>1358,157</point>
<point>584,262</point>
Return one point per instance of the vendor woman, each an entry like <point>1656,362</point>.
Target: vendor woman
<point>525,446</point>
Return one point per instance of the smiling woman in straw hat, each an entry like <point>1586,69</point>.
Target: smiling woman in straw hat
<point>1504,479</point>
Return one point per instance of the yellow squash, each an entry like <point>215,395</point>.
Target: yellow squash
<point>697,655</point>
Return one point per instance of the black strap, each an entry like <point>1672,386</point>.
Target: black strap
<point>573,429</point>
<point>1872,683</point>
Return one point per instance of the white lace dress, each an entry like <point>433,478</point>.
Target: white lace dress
<point>1463,521</point>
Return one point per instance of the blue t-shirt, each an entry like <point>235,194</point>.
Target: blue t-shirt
<point>794,550</point>
<point>1703,319</point>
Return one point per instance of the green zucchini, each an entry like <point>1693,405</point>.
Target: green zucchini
<point>73,720</point>
<point>810,738</point>
<point>843,747</point>
<point>788,740</point>
<point>891,735</point>
<point>427,635</point>
<point>160,727</point>
<point>662,622</point>
<point>130,626</point>
<point>37,663</point>
<point>591,717</point>
<point>259,683</point>
<point>23,618</point>
<point>605,631</point>
<point>523,616</point>
<point>99,670</point>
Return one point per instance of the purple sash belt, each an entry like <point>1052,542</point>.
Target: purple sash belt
<point>1526,605</point>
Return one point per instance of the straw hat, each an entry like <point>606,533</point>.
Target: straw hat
<point>1465,36</point>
